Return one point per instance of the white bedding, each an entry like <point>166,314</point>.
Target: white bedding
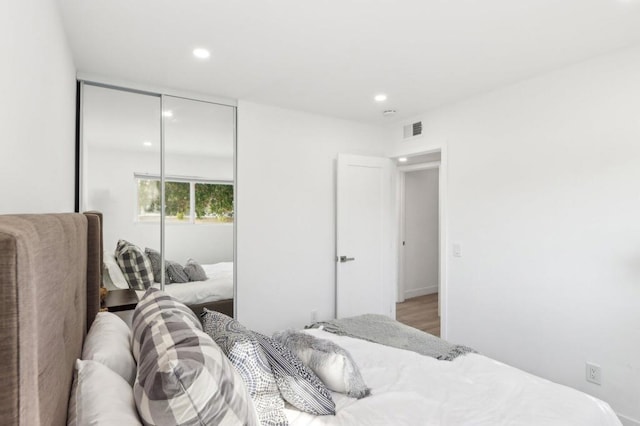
<point>412,389</point>
<point>219,286</point>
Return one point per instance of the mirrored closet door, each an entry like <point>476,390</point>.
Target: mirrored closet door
<point>141,152</point>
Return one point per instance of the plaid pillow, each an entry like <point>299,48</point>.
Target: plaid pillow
<point>298,385</point>
<point>135,265</point>
<point>184,378</point>
<point>151,308</point>
<point>244,352</point>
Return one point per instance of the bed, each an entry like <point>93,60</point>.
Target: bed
<point>215,293</point>
<point>49,280</point>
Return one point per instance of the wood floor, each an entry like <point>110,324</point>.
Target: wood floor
<point>420,312</point>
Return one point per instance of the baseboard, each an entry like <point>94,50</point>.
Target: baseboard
<point>423,291</point>
<point>628,421</point>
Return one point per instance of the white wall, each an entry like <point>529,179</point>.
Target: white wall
<point>285,212</point>
<point>544,199</point>
<point>111,189</point>
<point>37,111</point>
<point>420,233</point>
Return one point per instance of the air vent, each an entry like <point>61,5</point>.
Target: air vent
<point>411,130</point>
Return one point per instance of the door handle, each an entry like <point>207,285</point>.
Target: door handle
<point>344,259</point>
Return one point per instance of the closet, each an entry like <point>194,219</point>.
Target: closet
<point>160,167</point>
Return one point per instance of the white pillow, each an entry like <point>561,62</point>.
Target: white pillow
<point>100,397</point>
<point>115,275</point>
<point>109,343</point>
<point>331,363</point>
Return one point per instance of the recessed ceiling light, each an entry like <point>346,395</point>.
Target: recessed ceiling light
<point>201,53</point>
<point>167,113</point>
<point>380,98</point>
<point>147,143</point>
<point>402,160</point>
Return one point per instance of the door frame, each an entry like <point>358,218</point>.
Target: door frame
<point>443,267</point>
<point>402,173</point>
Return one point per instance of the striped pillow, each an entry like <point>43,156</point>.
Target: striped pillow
<point>135,265</point>
<point>298,385</point>
<point>244,352</point>
<point>184,378</point>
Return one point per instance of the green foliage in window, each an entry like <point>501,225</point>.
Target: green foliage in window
<point>214,200</point>
<point>177,199</point>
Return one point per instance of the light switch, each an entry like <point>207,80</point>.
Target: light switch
<point>457,250</point>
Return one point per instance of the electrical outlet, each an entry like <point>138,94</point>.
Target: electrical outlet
<point>594,374</point>
<point>314,315</point>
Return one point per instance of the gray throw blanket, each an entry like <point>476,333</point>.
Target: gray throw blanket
<point>384,330</point>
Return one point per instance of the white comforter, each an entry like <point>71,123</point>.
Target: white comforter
<point>412,389</point>
<point>219,286</point>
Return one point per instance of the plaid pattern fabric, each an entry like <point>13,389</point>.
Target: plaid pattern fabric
<point>135,266</point>
<point>298,385</point>
<point>184,378</point>
<point>153,305</point>
<point>244,352</point>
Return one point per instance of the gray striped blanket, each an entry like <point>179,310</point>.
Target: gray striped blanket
<point>384,330</point>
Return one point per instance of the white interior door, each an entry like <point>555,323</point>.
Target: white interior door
<point>364,255</point>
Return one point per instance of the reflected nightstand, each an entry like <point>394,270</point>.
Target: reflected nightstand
<point>120,300</point>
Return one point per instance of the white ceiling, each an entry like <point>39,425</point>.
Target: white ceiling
<point>332,56</point>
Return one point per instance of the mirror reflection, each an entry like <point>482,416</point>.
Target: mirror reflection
<point>122,171</point>
<point>199,197</point>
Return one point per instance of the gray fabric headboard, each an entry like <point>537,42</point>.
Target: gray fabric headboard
<point>49,282</point>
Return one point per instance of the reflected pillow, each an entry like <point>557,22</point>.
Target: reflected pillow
<point>194,271</point>
<point>135,265</point>
<point>175,272</point>
<point>156,262</point>
<point>113,277</point>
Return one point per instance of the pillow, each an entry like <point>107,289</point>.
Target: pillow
<point>194,271</point>
<point>184,378</point>
<point>135,265</point>
<point>245,354</point>
<point>175,272</point>
<point>153,305</point>
<point>109,343</point>
<point>113,274</point>
<point>100,397</point>
<point>331,363</point>
<point>298,385</point>
<point>156,263</point>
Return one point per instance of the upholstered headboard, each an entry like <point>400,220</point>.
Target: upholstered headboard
<point>50,273</point>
